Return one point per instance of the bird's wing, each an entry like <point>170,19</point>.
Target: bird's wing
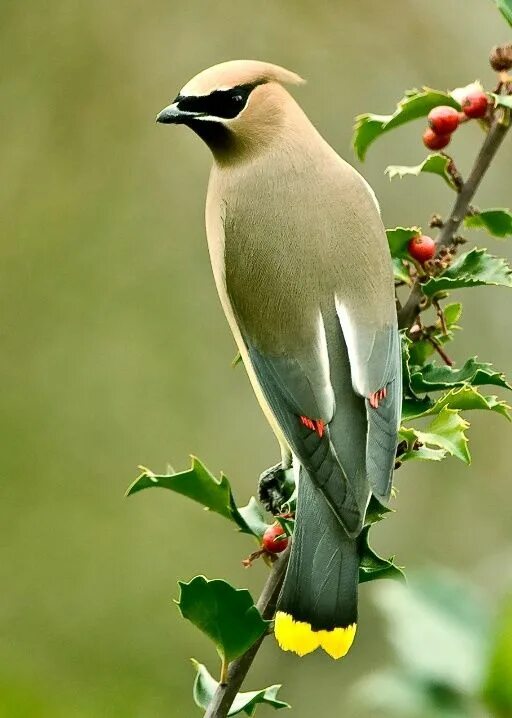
<point>300,394</point>
<point>375,361</point>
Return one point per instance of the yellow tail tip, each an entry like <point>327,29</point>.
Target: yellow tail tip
<point>299,637</point>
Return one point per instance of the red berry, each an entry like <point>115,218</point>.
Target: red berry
<point>274,540</point>
<point>443,120</point>
<point>434,141</point>
<point>475,105</point>
<point>422,248</point>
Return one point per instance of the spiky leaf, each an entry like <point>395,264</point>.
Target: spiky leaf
<point>399,238</point>
<point>401,271</point>
<point>247,702</point>
<point>372,566</point>
<point>445,432</point>
<point>497,222</point>
<point>200,485</point>
<point>465,398</point>
<point>502,101</point>
<point>415,104</point>
<point>227,615</point>
<point>472,269</point>
<point>436,163</point>
<point>440,378</point>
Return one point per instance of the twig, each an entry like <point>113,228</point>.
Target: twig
<point>491,144</point>
<point>439,349</point>
<point>225,694</point>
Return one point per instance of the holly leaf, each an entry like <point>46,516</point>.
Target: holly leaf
<point>497,222</point>
<point>225,614</point>
<point>420,350</point>
<point>498,682</point>
<point>439,631</point>
<point>371,565</point>
<point>399,238</point>
<point>247,702</point>
<point>452,314</point>
<point>200,485</point>
<point>505,7</point>
<point>401,271</point>
<point>502,100</point>
<point>446,432</point>
<point>436,163</point>
<point>415,104</point>
<point>472,269</point>
<point>439,378</point>
<point>376,511</point>
<point>464,398</point>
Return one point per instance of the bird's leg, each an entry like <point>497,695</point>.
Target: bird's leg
<point>275,487</point>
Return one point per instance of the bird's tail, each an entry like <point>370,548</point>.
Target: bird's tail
<point>318,603</point>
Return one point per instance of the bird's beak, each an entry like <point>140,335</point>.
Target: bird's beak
<point>172,115</point>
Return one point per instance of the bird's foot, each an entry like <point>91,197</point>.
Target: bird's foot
<point>275,487</point>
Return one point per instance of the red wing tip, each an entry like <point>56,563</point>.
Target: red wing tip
<point>377,397</point>
<point>316,425</point>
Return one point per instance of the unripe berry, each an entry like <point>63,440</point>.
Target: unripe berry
<point>422,248</point>
<point>475,105</point>
<point>443,120</point>
<point>434,141</point>
<point>274,540</point>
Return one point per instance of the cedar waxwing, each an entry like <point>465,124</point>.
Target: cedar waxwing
<point>304,274</point>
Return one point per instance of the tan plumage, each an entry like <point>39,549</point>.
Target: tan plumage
<point>302,268</point>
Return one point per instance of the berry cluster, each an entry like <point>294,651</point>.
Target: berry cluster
<point>444,120</point>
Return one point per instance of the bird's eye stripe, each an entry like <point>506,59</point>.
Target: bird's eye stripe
<point>226,104</point>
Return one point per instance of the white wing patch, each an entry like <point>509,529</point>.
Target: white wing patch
<point>359,347</point>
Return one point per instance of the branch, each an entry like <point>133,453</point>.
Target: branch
<point>225,694</point>
<point>492,142</point>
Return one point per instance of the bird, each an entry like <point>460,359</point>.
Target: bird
<point>302,267</point>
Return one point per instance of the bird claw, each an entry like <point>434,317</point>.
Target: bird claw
<point>274,489</point>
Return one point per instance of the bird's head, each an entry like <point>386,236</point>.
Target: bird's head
<point>235,107</point>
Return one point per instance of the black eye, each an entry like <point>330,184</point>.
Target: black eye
<point>237,100</point>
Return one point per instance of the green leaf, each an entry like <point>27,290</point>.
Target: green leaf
<point>505,7</point>
<point>452,314</point>
<point>200,485</point>
<point>446,432</point>
<point>438,630</point>
<point>371,565</point>
<point>376,511</point>
<point>471,270</point>
<point>225,614</point>
<point>421,349</point>
<point>205,687</point>
<point>439,378</point>
<point>437,164</point>
<point>502,100</point>
<point>497,222</point>
<point>401,271</point>
<point>464,398</point>
<point>498,682</point>
<point>399,238</point>
<point>415,104</point>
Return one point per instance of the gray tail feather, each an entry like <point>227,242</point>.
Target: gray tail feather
<point>321,581</point>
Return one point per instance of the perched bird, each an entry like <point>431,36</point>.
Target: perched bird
<point>303,270</point>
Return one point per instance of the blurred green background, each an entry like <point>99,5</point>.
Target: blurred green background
<point>115,351</point>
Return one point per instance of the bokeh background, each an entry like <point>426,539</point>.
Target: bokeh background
<point>115,351</point>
